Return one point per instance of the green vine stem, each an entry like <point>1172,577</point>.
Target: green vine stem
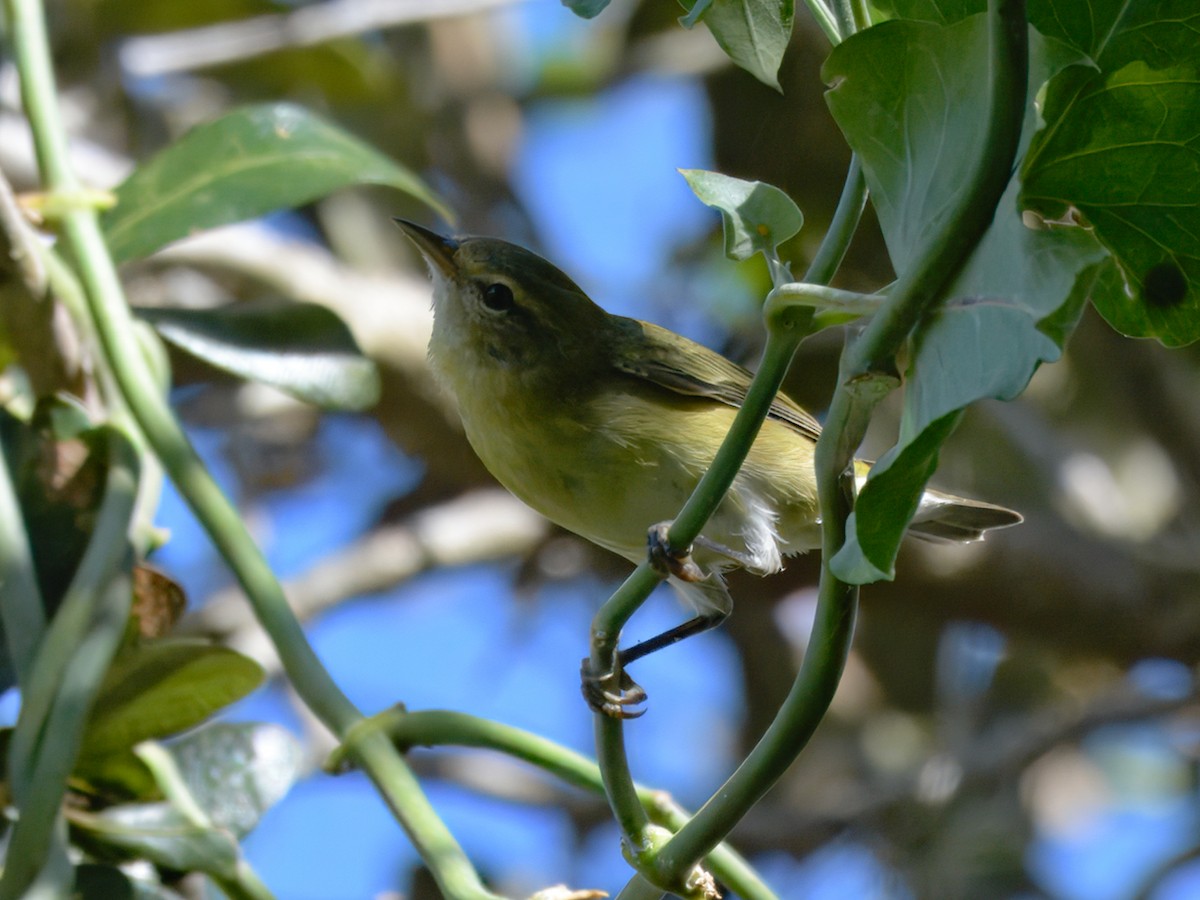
<point>609,731</point>
<point>432,728</point>
<point>66,673</point>
<point>865,376</point>
<point>122,354</point>
<point>825,20</point>
<point>21,607</point>
<point>842,227</point>
<point>782,342</point>
<point>837,23</point>
<point>606,628</point>
<point>237,882</point>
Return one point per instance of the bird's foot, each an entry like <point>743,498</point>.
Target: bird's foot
<point>667,559</point>
<point>613,692</point>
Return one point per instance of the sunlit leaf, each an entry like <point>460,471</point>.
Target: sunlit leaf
<point>756,216</point>
<point>301,348</point>
<point>1122,151</point>
<point>908,96</point>
<point>753,33</point>
<point>163,687</point>
<point>586,9</point>
<point>237,771</point>
<point>1114,33</point>
<point>161,834</point>
<point>939,12</point>
<point>250,162</point>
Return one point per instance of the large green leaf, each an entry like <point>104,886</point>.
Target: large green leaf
<point>247,163</point>
<point>161,688</point>
<point>1120,147</point>
<point>939,12</point>
<point>301,348</point>
<point>1114,33</point>
<point>909,95</point>
<point>1088,26</point>
<point>1122,150</point>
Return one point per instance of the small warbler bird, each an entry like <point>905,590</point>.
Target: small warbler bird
<point>604,424</point>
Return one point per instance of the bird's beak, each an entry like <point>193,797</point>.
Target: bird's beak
<point>438,250</point>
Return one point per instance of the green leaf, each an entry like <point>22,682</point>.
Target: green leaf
<point>120,775</point>
<point>939,12</point>
<point>965,353</point>
<point>159,833</point>
<point>236,772</point>
<point>904,93</point>
<point>881,514</point>
<point>99,882</point>
<point>1113,33</point>
<point>1122,151</point>
<point>301,348</point>
<point>1094,28</point>
<point>753,33</point>
<point>586,9</point>
<point>253,161</point>
<point>756,216</point>
<point>908,95</point>
<point>161,688</point>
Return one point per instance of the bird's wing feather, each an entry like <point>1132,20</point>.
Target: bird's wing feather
<point>701,373</point>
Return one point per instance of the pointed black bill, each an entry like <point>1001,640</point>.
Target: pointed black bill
<point>438,250</point>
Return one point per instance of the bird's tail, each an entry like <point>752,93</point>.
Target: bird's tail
<point>946,518</point>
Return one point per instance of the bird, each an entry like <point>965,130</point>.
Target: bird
<point>604,424</point>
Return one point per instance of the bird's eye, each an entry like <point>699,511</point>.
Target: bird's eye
<point>498,297</point>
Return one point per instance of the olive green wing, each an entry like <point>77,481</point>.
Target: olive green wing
<point>664,358</point>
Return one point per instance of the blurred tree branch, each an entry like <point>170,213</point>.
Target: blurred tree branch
<point>239,40</point>
<point>995,757</point>
<point>480,526</point>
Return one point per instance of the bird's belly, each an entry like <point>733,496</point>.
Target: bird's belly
<point>610,485</point>
<point>587,483</point>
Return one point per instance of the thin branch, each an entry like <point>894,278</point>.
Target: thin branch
<point>476,527</point>
<point>154,56</point>
<point>431,728</point>
<point>782,340</point>
<point>858,392</point>
<point>992,758</point>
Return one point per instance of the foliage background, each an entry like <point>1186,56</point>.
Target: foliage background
<point>1018,717</point>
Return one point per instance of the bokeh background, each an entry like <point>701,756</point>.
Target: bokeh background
<point>1019,718</point>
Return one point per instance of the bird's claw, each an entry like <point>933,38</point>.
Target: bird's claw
<point>613,692</point>
<point>667,559</point>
